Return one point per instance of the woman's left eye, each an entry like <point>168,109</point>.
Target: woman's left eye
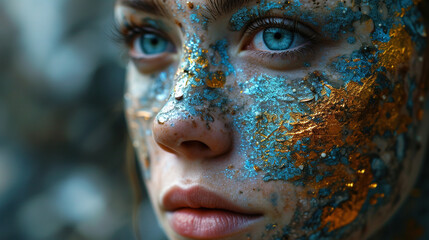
<point>274,39</point>
<point>278,43</point>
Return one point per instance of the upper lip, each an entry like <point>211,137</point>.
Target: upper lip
<point>198,197</point>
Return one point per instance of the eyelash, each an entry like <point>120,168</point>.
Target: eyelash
<point>261,23</point>
<point>128,32</point>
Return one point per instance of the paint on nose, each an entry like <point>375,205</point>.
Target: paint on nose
<point>205,67</point>
<point>216,80</point>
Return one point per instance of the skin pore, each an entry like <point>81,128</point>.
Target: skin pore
<point>307,115</point>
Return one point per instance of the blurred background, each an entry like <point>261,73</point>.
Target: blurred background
<point>63,136</point>
<point>62,130</point>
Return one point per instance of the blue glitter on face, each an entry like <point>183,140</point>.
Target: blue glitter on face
<point>194,18</point>
<point>221,49</point>
<point>340,20</point>
<point>273,99</point>
<point>265,132</point>
<point>351,40</point>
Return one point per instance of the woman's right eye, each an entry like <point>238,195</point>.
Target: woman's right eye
<point>149,49</point>
<point>151,45</point>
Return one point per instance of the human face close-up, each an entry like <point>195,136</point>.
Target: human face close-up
<point>275,119</point>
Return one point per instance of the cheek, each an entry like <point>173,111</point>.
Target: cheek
<point>344,144</point>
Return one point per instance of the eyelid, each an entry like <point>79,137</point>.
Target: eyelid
<point>132,31</point>
<point>281,60</point>
<point>292,25</point>
<point>129,32</point>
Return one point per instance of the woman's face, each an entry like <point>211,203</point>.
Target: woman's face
<point>275,119</point>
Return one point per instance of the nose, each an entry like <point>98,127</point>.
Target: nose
<point>192,137</point>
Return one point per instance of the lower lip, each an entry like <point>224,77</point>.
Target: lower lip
<point>209,223</point>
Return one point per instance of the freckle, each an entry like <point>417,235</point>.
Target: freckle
<point>194,124</point>
<point>190,5</point>
<point>178,23</point>
<point>240,192</point>
<point>421,98</point>
<point>383,97</point>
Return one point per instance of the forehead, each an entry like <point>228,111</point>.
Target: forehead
<point>169,6</point>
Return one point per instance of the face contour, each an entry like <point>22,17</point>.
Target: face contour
<point>275,119</point>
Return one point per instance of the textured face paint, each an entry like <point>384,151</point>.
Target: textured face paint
<point>326,145</point>
<point>310,133</point>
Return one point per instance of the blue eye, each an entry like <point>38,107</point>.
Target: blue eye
<point>279,35</point>
<point>278,39</point>
<point>152,44</point>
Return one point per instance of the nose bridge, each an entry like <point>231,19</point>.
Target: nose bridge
<point>203,65</point>
<point>190,124</point>
<point>200,77</point>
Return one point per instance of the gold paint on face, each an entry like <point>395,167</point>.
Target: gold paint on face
<point>351,109</point>
<point>397,51</point>
<point>344,117</point>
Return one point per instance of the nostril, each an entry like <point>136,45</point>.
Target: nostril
<point>195,145</point>
<point>190,138</point>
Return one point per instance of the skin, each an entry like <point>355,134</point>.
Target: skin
<point>323,141</point>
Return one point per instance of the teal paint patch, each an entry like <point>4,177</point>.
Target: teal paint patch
<point>220,56</point>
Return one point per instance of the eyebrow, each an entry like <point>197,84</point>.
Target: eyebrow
<point>213,9</point>
<point>154,7</point>
<point>217,8</point>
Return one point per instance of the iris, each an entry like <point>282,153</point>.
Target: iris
<point>278,39</point>
<point>152,44</point>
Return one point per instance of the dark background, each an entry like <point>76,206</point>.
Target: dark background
<point>63,136</point>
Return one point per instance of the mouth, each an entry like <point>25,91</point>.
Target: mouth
<point>200,214</point>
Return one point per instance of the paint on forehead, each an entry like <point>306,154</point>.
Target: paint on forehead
<point>341,18</point>
<point>338,21</point>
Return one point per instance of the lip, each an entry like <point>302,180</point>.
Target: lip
<point>200,214</point>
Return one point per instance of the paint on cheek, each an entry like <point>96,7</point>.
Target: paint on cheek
<point>278,103</point>
<point>313,143</point>
<point>141,109</point>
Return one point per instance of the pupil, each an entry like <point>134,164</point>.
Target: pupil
<point>154,41</point>
<point>277,35</point>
